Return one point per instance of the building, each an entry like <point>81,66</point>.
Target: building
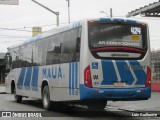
<point>2,68</point>
<point>151,10</point>
<point>155,66</point>
<point>36,31</point>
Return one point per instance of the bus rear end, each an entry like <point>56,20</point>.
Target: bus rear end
<point>118,62</point>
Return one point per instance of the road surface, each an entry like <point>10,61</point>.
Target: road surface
<point>114,110</point>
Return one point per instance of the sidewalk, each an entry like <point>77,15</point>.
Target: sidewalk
<point>152,104</point>
<point>2,88</point>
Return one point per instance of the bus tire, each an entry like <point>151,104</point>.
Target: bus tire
<point>17,98</point>
<point>46,98</point>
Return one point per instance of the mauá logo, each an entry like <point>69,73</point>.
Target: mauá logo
<point>52,72</point>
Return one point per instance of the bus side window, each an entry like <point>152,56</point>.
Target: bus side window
<point>68,51</point>
<point>53,50</point>
<point>70,46</point>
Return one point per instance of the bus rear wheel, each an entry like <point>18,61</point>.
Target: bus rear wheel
<point>17,98</point>
<point>46,98</point>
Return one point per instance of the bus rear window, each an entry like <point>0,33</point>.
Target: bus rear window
<point>117,34</point>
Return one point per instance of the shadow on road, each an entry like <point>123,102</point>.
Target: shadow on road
<point>65,110</point>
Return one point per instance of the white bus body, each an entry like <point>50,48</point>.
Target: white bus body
<point>75,69</point>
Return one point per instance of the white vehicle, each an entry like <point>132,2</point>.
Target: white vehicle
<point>87,62</point>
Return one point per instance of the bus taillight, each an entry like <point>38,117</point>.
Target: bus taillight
<point>148,78</point>
<point>87,77</point>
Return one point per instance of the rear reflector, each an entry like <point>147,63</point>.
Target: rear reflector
<point>148,77</point>
<point>87,77</point>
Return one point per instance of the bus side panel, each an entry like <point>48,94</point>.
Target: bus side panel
<point>63,80</point>
<point>27,79</point>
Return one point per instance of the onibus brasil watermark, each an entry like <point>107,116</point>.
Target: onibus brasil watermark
<point>21,114</point>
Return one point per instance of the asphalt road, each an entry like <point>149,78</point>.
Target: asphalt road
<point>113,111</point>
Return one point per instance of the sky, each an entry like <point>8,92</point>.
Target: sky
<point>16,21</point>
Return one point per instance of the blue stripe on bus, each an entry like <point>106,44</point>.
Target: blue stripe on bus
<point>79,24</point>
<point>69,78</point>
<point>28,78</point>
<point>76,77</point>
<point>118,19</point>
<point>76,84</point>
<point>125,74</point>
<point>21,78</point>
<point>76,24</point>
<point>73,78</point>
<point>109,74</point>
<point>87,93</point>
<point>140,73</point>
<point>105,19</point>
<point>132,21</point>
<point>34,83</point>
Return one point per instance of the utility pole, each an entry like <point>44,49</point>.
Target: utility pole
<point>68,10</point>
<point>56,13</point>
<point>111,14</point>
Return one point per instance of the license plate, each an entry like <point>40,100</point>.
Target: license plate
<point>120,84</point>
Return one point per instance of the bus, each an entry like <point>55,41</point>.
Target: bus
<point>88,62</point>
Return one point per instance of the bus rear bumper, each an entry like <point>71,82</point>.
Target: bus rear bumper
<point>125,94</point>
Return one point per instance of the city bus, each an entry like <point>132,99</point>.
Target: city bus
<point>88,62</point>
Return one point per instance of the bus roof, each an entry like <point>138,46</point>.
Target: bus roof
<point>118,20</point>
<point>49,33</point>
